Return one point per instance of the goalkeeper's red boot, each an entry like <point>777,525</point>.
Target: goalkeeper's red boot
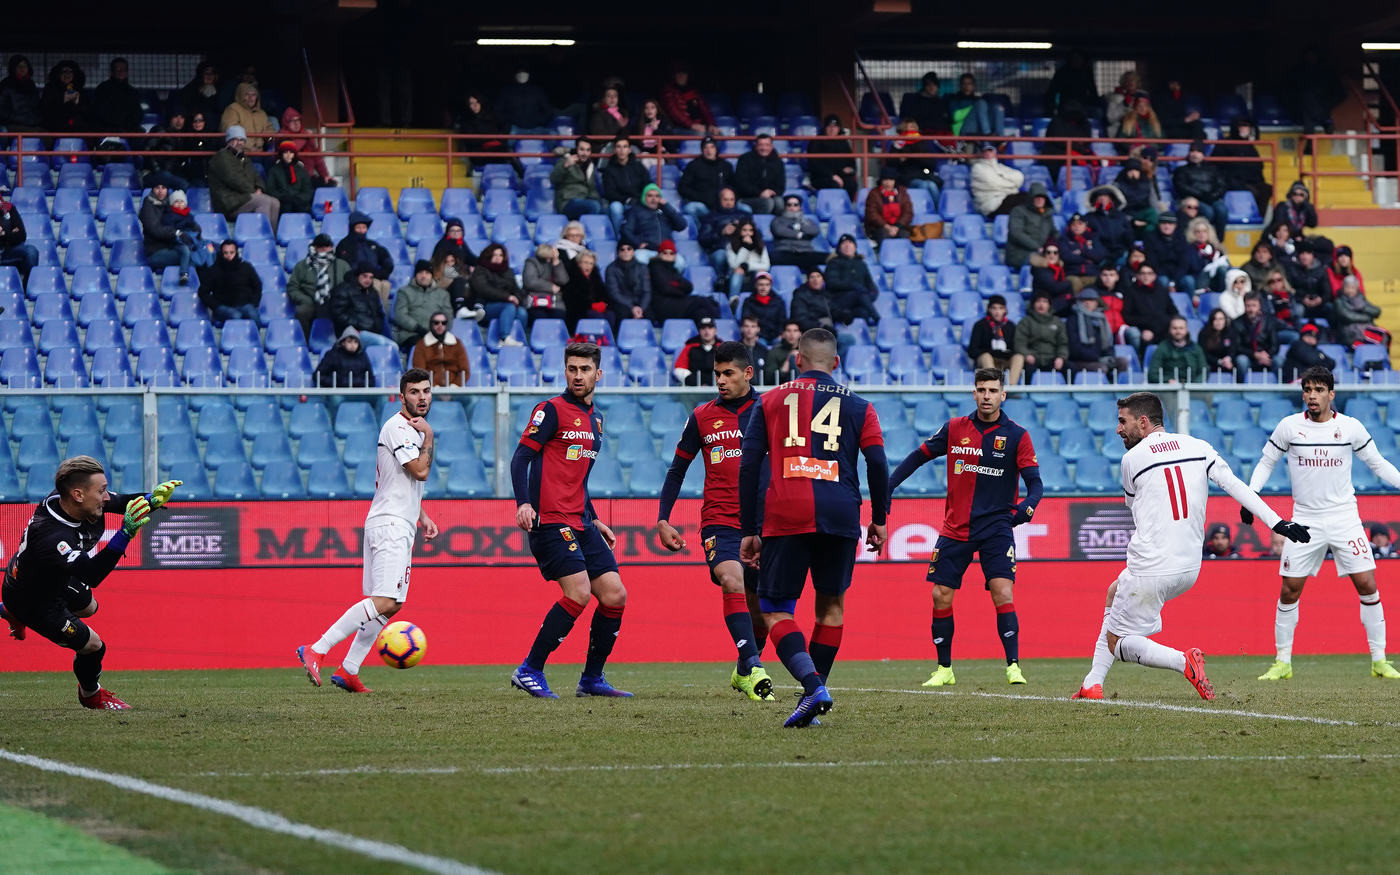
<point>16,627</point>
<point>311,661</point>
<point>350,683</point>
<point>1196,673</point>
<point>1094,692</point>
<point>102,700</point>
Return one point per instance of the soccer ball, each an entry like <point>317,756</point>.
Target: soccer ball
<point>401,645</point>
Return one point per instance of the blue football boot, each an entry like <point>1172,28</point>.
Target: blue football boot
<point>532,682</point>
<point>599,686</point>
<point>808,707</point>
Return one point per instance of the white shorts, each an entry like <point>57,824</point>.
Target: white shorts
<point>388,556</point>
<point>1137,603</point>
<point>1343,533</point>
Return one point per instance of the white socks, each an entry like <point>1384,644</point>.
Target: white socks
<point>1373,619</point>
<point>1103,657</point>
<point>1285,621</point>
<point>1145,651</point>
<point>356,618</point>
<point>360,647</point>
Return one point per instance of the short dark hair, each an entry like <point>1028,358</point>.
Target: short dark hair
<point>996,299</point>
<point>622,138</point>
<point>763,136</point>
<point>749,318</point>
<point>1178,318</point>
<point>1143,404</point>
<point>579,141</point>
<point>733,351</point>
<point>1253,296</point>
<point>233,243</point>
<point>411,376</point>
<point>1317,374</point>
<point>584,350</point>
<point>75,472</point>
<point>792,322</point>
<point>988,375</point>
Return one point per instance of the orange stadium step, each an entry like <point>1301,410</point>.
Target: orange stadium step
<point>379,157</point>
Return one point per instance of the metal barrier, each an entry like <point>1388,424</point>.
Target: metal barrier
<point>1310,144</point>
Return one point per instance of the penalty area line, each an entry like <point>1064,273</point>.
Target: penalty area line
<point>259,818</point>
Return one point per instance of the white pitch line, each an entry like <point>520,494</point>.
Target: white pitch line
<point>256,817</point>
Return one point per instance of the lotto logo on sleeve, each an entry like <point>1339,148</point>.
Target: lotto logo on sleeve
<point>811,469</point>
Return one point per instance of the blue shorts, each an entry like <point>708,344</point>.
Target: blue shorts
<point>951,558</point>
<point>722,544</point>
<point>564,550</point>
<point>787,559</point>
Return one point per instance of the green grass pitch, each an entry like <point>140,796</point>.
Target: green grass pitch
<point>690,777</point>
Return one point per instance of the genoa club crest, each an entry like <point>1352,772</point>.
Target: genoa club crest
<point>999,443</point>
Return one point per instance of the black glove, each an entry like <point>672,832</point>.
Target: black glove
<point>1293,531</point>
<point>1246,517</point>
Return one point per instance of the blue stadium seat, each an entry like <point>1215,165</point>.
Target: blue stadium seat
<point>90,280</point>
<point>309,417</point>
<point>193,333</point>
<point>69,201</point>
<point>1370,356</point>
<point>1076,442</point>
<point>31,419</point>
<point>833,202</point>
<point>336,226</point>
<point>668,418</point>
<point>126,253</point>
<point>332,197</point>
<point>373,199</point>
<point>516,366</point>
<point>648,366</point>
<point>497,202</point>
<point>96,308</point>
<point>235,481</point>
<point>896,252</point>
<point>122,226</point>
<point>238,333</point>
<point>907,365</point>
<point>954,202</point>
<point>1232,414</point>
<point>19,368</point>
<point>458,203</point>
<point>862,365</point>
<point>635,333</point>
<point>50,307</point>
<point>114,201</point>
<point>980,254</point>
<point>155,366</point>
<point>909,279</point>
<point>262,416</point>
<point>281,479</point>
<point>83,253</point>
<point>37,456</point>
<point>247,366</point>
<point>929,415</point>
<point>148,333</point>
<point>674,334</point>
<point>104,334</point>
<point>57,333</point>
<point>415,202</point>
<point>891,332</point>
<point>202,367</point>
<point>423,228</point>
<point>1054,473</point>
<point>952,279</point>
<point>186,307</point>
<point>292,227</point>
<point>77,226</point>
<point>1096,474</point>
<point>1241,208</point>
<point>967,227</point>
<point>79,420</point>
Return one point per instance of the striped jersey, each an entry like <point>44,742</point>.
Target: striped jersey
<point>985,462</point>
<point>566,436</point>
<point>715,431</point>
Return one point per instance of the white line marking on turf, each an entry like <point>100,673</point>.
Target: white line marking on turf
<point>256,817</point>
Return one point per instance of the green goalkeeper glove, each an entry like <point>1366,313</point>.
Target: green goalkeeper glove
<point>138,513</point>
<point>161,494</point>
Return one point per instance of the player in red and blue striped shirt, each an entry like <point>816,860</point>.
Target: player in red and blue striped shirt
<point>810,430</point>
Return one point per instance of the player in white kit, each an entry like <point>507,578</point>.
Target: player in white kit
<point>1320,444</point>
<point>404,461</point>
<point>1166,480</point>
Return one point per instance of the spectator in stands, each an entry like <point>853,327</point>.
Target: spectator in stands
<point>309,287</point>
<point>996,187</point>
<point>744,256</point>
<point>162,243</point>
<point>247,113</point>
<point>1256,338</point>
<point>624,177</point>
<point>1141,123</point>
<point>695,363</point>
<point>847,271</point>
<point>1382,545</point>
<point>1304,353</point>
<point>1070,121</point>
<point>195,168</point>
<point>1244,175</point>
<point>888,211</point>
<point>442,354</point>
<point>1110,286</point>
<point>355,302</point>
<point>1312,305</point>
<point>1205,183</point>
<point>415,304</point>
<point>648,127</point>
<point>1177,358</point>
<point>1218,545</point>
<point>684,106</point>
<point>1080,250</point>
<point>14,250</point>
<point>1355,317</point>
<point>1139,200</point>
<point>575,181</point>
<point>1120,103</point>
<point>910,158</point>
<point>178,218</point>
<point>926,107</point>
<point>793,235</point>
<point>19,97</point>
<point>1072,82</point>
<point>992,343</point>
<point>289,181</point>
<point>1315,88</point>
<point>717,227</point>
<point>453,241</point>
<point>542,278</point>
<point>1296,211</point>
<point>766,308</point>
<point>838,172</point>
<point>1277,296</point>
<point>671,296</point>
<point>64,108</point>
<point>821,303</point>
<point>759,177</point>
<point>973,114</point>
<point>703,179</point>
<point>494,288</point>
<point>294,131</point>
<point>1148,306</point>
<point>650,223</point>
<point>1111,227</point>
<point>1088,336</point>
<point>1168,251</point>
<point>1237,285</point>
<point>1261,263</point>
<point>585,293</point>
<point>1040,339</point>
<point>1178,123</point>
<point>1307,277</point>
<point>1208,260</point>
<point>450,275</point>
<point>230,288</point>
<point>628,284</point>
<point>779,366</point>
<point>356,248</point>
<point>524,106</point>
<point>1030,226</point>
<point>346,364</point>
<point>571,241</point>
<point>478,119</point>
<point>170,167</point>
<point>609,116</point>
<point>1280,240</point>
<point>749,336</point>
<point>234,184</point>
<point>116,105</point>
<point>201,93</point>
<point>1218,341</point>
<point>1048,278</point>
<point>1341,268</point>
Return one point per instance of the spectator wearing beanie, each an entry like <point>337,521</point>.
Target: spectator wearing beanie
<point>346,364</point>
<point>628,284</point>
<point>356,248</point>
<point>313,278</point>
<point>888,211</point>
<point>289,181</point>
<point>442,354</point>
<point>230,288</point>
<point>294,131</point>
<point>415,304</point>
<point>585,295</point>
<point>671,296</point>
<point>454,241</point>
<point>1205,183</point>
<point>1304,353</point>
<point>765,306</point>
<point>847,271</point>
<point>163,248</point>
<point>703,179</point>
<point>356,303</point>
<point>649,222</point>
<point>1342,267</point>
<point>234,185</point>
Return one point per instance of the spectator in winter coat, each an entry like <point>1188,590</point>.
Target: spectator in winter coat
<point>671,296</point>
<point>478,119</point>
<point>1237,285</point>
<point>650,223</point>
<point>441,354</point>
<point>609,116</point>
<point>1261,263</point>
<point>294,131</point>
<point>585,294</point>
<point>64,107</point>
<point>993,342</point>
<point>973,114</point>
<point>759,177</point>
<point>200,96</point>
<point>744,256</point>
<point>1110,287</point>
<point>748,336</point>
<point>453,241</point>
<point>1140,199</point>
<point>764,306</point>
<point>846,271</point>
<point>571,241</point>
<point>649,127</point>
<point>247,113</point>
<point>717,227</point>
<point>695,363</point>
<point>524,106</point>
<point>230,288</point>
<point>1072,82</point>
<point>793,233</point>
<point>832,172</point>
<point>313,278</point>
<point>1088,336</point>
<point>179,219</point>
<point>346,364</point>
<point>1218,342</point>
<point>493,286</point>
<point>575,181</point>
<point>779,366</point>
<point>1303,354</point>
<point>1205,183</point>
<point>926,107</point>
<point>542,278</point>
<point>1177,359</point>
<point>415,304</point>
<point>1118,104</point>
<point>1178,123</point>
<point>1168,251</point>
<point>1070,121</point>
<point>116,105</point>
<point>1141,123</point>
<point>1296,211</point>
<point>815,301</point>
<point>289,181</point>
<point>684,106</point>
<point>1355,317</point>
<point>910,159</point>
<point>1208,259</point>
<point>355,303</point>
<point>1080,250</point>
<point>1148,306</point>
<point>1244,175</point>
<point>624,178</point>
<point>1112,228</point>
<point>628,285</point>
<point>234,185</point>
<point>1306,275</point>
<point>888,211</point>
<point>1029,227</point>
<point>163,246</point>
<point>1040,339</point>
<point>702,180</point>
<point>19,97</point>
<point>1341,268</point>
<point>1048,278</point>
<point>1255,338</point>
<point>996,187</point>
<point>356,248</point>
<point>13,248</point>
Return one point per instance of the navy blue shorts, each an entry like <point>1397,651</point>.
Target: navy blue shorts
<point>722,544</point>
<point>564,550</point>
<point>951,558</point>
<point>787,559</point>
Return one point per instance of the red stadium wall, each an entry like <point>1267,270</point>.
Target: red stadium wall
<point>223,586</point>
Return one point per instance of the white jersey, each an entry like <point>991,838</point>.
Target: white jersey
<point>397,494</point>
<point>1166,479</point>
<point>1319,462</point>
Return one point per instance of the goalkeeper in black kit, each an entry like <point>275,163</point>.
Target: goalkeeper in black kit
<point>49,581</point>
